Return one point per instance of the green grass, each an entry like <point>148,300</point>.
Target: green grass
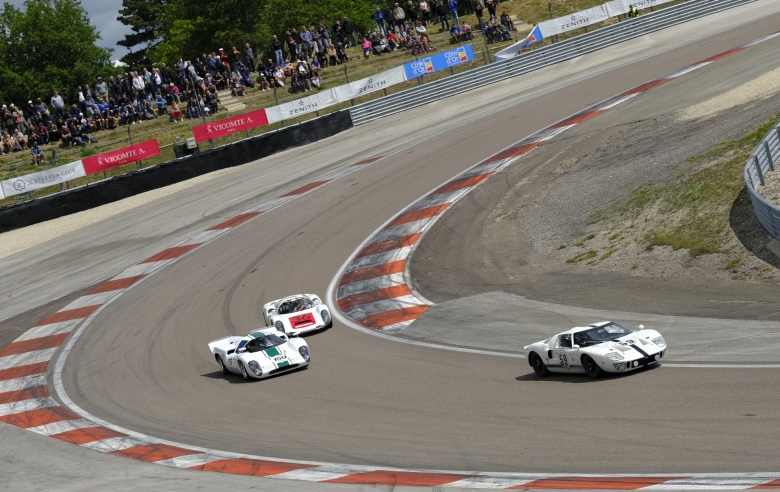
<point>702,198</point>
<point>608,254</point>
<point>582,256</point>
<point>732,264</point>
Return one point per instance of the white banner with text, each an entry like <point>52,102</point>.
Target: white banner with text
<point>304,105</point>
<point>35,181</point>
<point>574,21</point>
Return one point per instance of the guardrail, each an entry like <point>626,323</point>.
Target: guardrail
<point>761,161</point>
<point>538,58</point>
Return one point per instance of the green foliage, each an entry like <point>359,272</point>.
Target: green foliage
<point>143,17</point>
<point>47,45</point>
<point>582,256</point>
<point>190,28</point>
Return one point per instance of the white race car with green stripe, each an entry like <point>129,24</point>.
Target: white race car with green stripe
<point>262,353</point>
<point>596,349</point>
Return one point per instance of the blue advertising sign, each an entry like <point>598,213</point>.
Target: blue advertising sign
<point>438,62</point>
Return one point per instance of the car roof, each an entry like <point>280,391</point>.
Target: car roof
<point>578,329</point>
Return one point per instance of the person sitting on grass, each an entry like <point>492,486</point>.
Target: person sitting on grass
<point>37,154</point>
<point>21,139</point>
<point>465,32</point>
<point>366,45</point>
<point>161,104</point>
<point>506,21</point>
<point>7,145</point>
<point>392,41</point>
<point>341,54</point>
<point>455,33</point>
<point>43,133</point>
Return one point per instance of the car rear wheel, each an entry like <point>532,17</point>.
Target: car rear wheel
<point>243,370</point>
<point>591,368</point>
<point>539,368</point>
<point>222,367</point>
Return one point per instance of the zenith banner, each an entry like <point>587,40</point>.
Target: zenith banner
<point>439,62</point>
<point>49,177</point>
<point>120,157</point>
<point>227,126</point>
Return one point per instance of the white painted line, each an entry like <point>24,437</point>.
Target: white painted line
<point>116,444</point>
<point>438,199</point>
<point>26,358</point>
<point>22,383</point>
<point>379,259</point>
<point>489,482</point>
<point>369,308</point>
<point>709,484</point>
<point>48,330</point>
<point>318,474</point>
<point>401,230</point>
<point>90,300</point>
<point>26,405</point>
<point>62,426</point>
<point>371,284</point>
<point>190,460</point>
<point>205,236</point>
<point>142,269</point>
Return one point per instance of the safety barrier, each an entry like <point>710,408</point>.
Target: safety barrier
<point>113,189</point>
<point>762,161</point>
<point>538,58</point>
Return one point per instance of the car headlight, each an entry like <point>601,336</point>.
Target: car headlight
<point>255,368</point>
<point>614,356</point>
<point>304,351</point>
<point>325,316</point>
<point>279,326</point>
<point>660,342</point>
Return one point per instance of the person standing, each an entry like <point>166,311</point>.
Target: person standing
<point>399,15</point>
<point>452,7</point>
<point>349,32</point>
<point>379,18</point>
<point>102,89</point>
<point>59,105</point>
<point>443,13</point>
<point>249,56</point>
<point>426,12</point>
<point>276,45</point>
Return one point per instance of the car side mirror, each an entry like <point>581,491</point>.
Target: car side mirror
<point>641,327</point>
<point>575,347</point>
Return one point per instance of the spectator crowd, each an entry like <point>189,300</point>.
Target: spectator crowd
<point>191,88</point>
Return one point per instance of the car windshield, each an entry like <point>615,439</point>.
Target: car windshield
<point>610,331</point>
<point>294,305</point>
<point>263,342</point>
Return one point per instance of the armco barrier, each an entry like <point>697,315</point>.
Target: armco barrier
<point>119,187</point>
<point>762,161</point>
<point>538,58</point>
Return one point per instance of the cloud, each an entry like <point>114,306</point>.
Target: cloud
<point>102,14</point>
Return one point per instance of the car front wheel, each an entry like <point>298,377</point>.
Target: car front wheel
<point>539,368</point>
<point>243,370</point>
<point>591,368</point>
<point>222,367</point>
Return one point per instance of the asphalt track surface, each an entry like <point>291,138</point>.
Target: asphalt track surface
<point>364,400</point>
<point>369,401</point>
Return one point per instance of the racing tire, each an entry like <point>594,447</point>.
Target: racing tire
<point>591,368</point>
<point>539,368</point>
<point>243,370</point>
<point>222,367</point>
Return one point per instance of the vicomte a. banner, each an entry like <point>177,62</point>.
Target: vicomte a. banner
<point>227,126</point>
<point>120,157</point>
<point>35,181</point>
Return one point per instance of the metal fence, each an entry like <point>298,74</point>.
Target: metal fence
<point>762,161</point>
<point>538,58</point>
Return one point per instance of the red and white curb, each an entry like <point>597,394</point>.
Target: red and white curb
<point>373,291</point>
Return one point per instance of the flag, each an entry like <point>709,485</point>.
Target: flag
<point>534,37</point>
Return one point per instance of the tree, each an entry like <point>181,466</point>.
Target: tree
<point>47,45</point>
<point>193,27</point>
<point>144,19</point>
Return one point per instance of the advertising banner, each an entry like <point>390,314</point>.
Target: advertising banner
<point>438,62</point>
<point>120,157</point>
<point>574,21</point>
<point>227,126</point>
<point>533,37</point>
<point>35,181</point>
<point>371,84</point>
<point>304,105</point>
<point>618,7</point>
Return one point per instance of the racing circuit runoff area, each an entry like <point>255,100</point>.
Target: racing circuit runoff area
<point>143,363</point>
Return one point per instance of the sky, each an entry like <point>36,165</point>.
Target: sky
<point>103,14</point>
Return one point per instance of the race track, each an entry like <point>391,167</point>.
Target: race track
<point>143,364</point>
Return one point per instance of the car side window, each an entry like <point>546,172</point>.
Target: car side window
<point>565,341</point>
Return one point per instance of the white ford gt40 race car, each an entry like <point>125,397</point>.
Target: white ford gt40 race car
<point>297,314</point>
<point>596,349</point>
<point>260,354</point>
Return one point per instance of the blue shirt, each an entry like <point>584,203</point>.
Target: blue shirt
<point>452,5</point>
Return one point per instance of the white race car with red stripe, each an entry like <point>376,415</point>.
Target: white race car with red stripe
<point>596,349</point>
<point>297,314</point>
